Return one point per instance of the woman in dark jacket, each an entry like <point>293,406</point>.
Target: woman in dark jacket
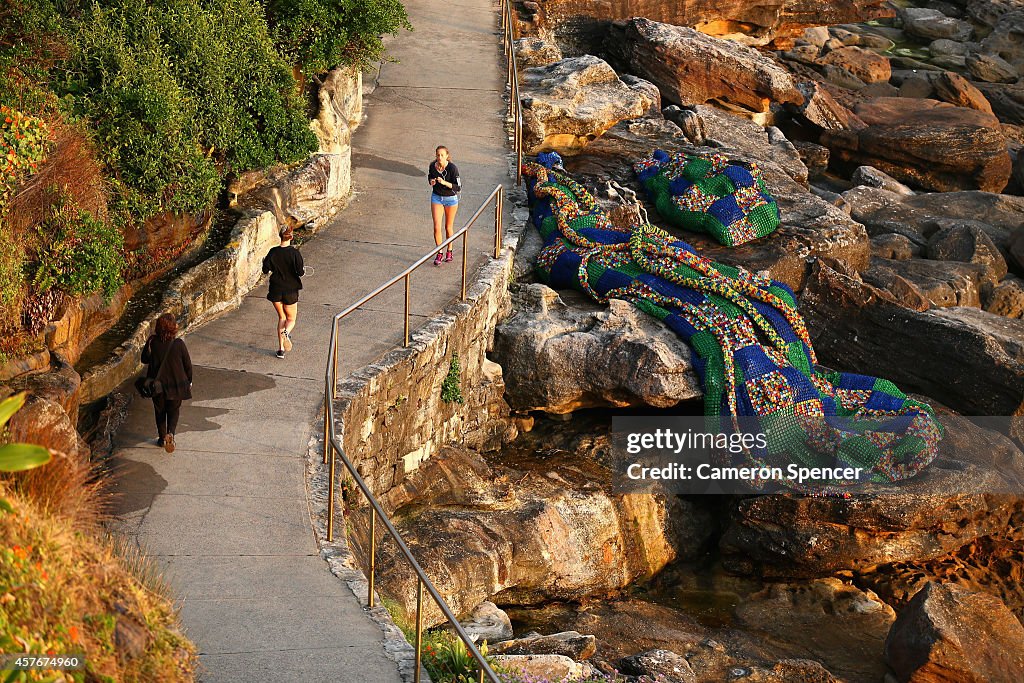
<point>284,263</point>
<point>169,362</point>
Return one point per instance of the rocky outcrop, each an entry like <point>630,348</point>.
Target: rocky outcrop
<point>1007,101</point>
<point>569,103</point>
<point>692,68</point>
<point>519,532</point>
<point>929,144</point>
<point>581,25</point>
<point>550,354</point>
<point>947,633</point>
<point>967,359</point>
<point>571,644</point>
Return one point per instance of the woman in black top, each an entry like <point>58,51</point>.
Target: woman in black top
<point>284,263</point>
<point>443,177</point>
<point>169,362</point>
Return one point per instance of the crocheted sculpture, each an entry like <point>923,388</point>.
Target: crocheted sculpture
<point>709,194</point>
<point>752,350</point>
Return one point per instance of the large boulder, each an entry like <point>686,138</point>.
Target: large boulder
<point>966,358</point>
<point>931,24</point>
<point>958,91</point>
<point>991,68</point>
<point>549,353</point>
<point>693,68</point>
<point>943,283</point>
<point>524,531</point>
<point>570,644</point>
<point>866,65</point>
<point>948,633</point>
<point>968,244</point>
<point>926,143</point>
<point>568,103</point>
<point>1007,100</point>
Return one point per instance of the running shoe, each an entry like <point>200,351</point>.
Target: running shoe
<point>438,259</point>
<point>280,354</point>
<point>448,258</point>
<point>287,341</point>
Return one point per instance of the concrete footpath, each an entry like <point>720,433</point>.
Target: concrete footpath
<point>226,515</point>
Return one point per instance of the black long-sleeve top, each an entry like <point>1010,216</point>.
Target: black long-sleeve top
<point>176,376</point>
<point>450,174</point>
<point>285,267</point>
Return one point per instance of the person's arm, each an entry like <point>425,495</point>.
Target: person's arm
<point>147,354</point>
<point>432,174</point>
<point>457,183</point>
<point>300,267</point>
<point>266,262</point>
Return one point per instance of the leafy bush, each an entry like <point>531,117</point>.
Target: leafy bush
<point>79,255</point>
<point>451,390</point>
<point>178,91</point>
<point>322,34</point>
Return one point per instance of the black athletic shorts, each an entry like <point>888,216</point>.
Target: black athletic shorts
<point>286,298</point>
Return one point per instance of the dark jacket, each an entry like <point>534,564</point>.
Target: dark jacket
<point>450,174</point>
<point>285,267</point>
<point>177,377</point>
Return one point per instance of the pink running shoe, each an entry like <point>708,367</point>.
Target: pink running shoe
<point>448,258</point>
<point>438,259</point>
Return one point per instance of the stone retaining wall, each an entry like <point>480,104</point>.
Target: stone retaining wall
<point>391,413</point>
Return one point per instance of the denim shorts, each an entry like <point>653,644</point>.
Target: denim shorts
<point>444,201</point>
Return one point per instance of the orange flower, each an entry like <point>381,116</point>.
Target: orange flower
<point>8,120</point>
<point>73,634</point>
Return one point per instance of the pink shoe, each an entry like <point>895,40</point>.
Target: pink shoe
<point>438,259</point>
<point>448,258</point>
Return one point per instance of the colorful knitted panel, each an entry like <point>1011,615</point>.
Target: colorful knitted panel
<point>752,350</point>
<point>708,194</point>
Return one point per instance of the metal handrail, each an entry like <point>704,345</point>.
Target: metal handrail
<point>515,104</point>
<point>332,445</point>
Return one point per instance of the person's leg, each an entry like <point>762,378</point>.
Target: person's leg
<point>282,321</point>
<point>173,410</point>
<point>437,211</point>
<point>449,226</point>
<point>159,409</point>
<point>291,312</point>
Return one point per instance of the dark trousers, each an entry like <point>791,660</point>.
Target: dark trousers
<point>166,415</point>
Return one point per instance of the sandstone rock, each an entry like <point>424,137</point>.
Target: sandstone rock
<point>872,177</point>
<point>536,52</point>
<point>571,644</point>
<point>692,68</point>
<point>832,43</point>
<point>866,65</point>
<point>814,156</point>
<point>1007,100</point>
<point>965,358</point>
<point>892,246</point>
<point>842,77</point>
<point>902,291</point>
<point>969,244</point>
<point>805,54</point>
<point>923,142</point>
<point>844,36</point>
<point>991,68</point>
<point>582,25</point>
<point>943,47</point>
<point>919,87</point>
<point>545,667</point>
<point>875,42</point>
<point>487,622</point>
<point>1006,39</point>
<point>1015,248</point>
<point>931,24</point>
<point>943,283</point>
<point>949,634</point>
<point>520,531</point>
<point>689,122</point>
<point>958,91</point>
<point>569,103</point>
<point>822,110</point>
<point>816,35</point>
<point>1006,298</point>
<point>546,347</point>
<point>884,89</point>
<point>645,89</point>
<point>949,63</point>
<point>662,665</point>
<point>844,625</point>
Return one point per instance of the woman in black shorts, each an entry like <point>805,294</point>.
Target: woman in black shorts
<point>284,263</point>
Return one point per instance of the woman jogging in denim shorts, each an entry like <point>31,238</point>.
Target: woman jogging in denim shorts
<point>443,177</point>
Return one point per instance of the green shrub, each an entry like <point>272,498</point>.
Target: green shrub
<point>319,35</point>
<point>179,91</point>
<point>79,255</point>
<point>451,389</point>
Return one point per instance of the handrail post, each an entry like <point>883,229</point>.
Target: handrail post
<point>327,427</point>
<point>330,495</point>
<point>497,222</point>
<point>464,259</point>
<point>373,553</point>
<point>406,342</point>
<point>419,628</point>
<point>334,386</point>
